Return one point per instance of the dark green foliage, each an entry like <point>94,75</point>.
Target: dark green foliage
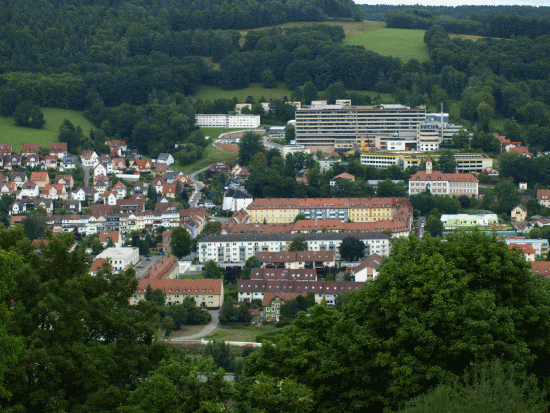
<point>351,249</point>
<point>424,203</point>
<point>485,388</point>
<point>221,354</point>
<point>186,313</point>
<point>180,242</point>
<point>297,244</point>
<point>250,145</point>
<point>230,312</point>
<point>27,114</point>
<point>157,296</point>
<point>252,262</point>
<point>212,227</point>
<point>35,224</point>
<point>212,270</point>
<point>291,308</point>
<point>434,226</point>
<point>71,135</point>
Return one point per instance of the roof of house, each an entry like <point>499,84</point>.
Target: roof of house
<point>520,206</point>
<point>372,261</point>
<point>104,236</point>
<point>5,148</point>
<point>440,176</point>
<point>237,193</point>
<point>541,267</point>
<point>30,148</point>
<point>187,286</point>
<point>330,236</point>
<point>298,256</point>
<point>115,143</point>
<point>119,185</point>
<point>343,175</point>
<point>543,194</point>
<point>283,274</point>
<point>39,176</point>
<point>525,248</point>
<point>269,297</point>
<point>162,268</point>
<point>57,147</point>
<point>97,265</point>
<point>522,150</point>
<point>163,156</point>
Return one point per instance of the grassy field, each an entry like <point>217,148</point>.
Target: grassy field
<point>211,155</point>
<point>402,43</point>
<point>192,277</point>
<point>351,29</point>
<point>239,334</point>
<point>48,134</point>
<point>213,92</point>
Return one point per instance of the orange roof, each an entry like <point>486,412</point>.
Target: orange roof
<point>543,194</point>
<point>440,176</point>
<point>105,235</point>
<point>269,297</point>
<point>343,175</point>
<point>39,176</point>
<point>541,267</point>
<point>187,286</point>
<point>96,266</point>
<point>30,148</point>
<point>58,147</point>
<point>525,248</point>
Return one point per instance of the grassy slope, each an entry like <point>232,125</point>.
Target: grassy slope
<point>213,92</point>
<point>211,155</point>
<point>48,134</point>
<point>402,43</point>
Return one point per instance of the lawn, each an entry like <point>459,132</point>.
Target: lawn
<point>192,277</point>
<point>351,29</point>
<point>402,43</point>
<point>211,155</point>
<point>186,331</point>
<point>239,334</point>
<point>48,134</point>
<point>212,93</point>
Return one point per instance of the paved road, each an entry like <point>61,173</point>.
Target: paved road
<point>208,329</point>
<point>198,186</point>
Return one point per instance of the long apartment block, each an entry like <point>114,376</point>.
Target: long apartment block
<point>284,210</point>
<point>240,247</point>
<point>341,127</point>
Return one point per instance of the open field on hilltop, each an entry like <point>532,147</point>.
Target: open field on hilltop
<point>402,43</point>
<point>213,92</point>
<point>211,155</point>
<point>465,36</point>
<point>214,133</point>
<point>351,29</point>
<point>17,135</point>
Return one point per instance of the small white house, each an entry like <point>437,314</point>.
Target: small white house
<point>166,158</point>
<point>235,199</point>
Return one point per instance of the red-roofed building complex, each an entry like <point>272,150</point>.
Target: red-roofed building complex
<point>439,183</point>
<point>207,292</point>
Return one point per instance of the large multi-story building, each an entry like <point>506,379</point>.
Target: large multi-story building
<point>465,162</point>
<point>240,247</point>
<point>341,126</point>
<point>439,183</point>
<point>284,210</point>
<point>120,258</point>
<point>227,121</point>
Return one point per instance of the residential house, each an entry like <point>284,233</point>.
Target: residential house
<point>367,270</point>
<point>297,260</point>
<point>169,191</point>
<point>17,207</point>
<point>110,197</point>
<point>40,178</point>
<point>55,191</point>
<point>74,206</point>
<point>7,188</point>
<point>239,172</point>
<point>14,161</point>
<point>235,199</point>
<point>525,250</point>
<point>100,169</point>
<point>107,162</point>
<point>165,158</point>
<point>272,303</point>
<point>68,164</point>
<point>85,193</point>
<point>136,203</point>
<point>119,164</point>
<point>28,149</point>
<point>543,196</point>
<point>101,185</point>
<point>5,149</point>
<point>206,292</point>
<point>114,236</point>
<point>218,167</point>
<point>157,183</point>
<point>50,162</point>
<point>519,213</point>
<point>138,188</point>
<point>159,169</point>
<point>88,158</point>
<point>120,190</point>
<point>46,204</point>
<point>66,180</point>
<point>142,165</point>
<point>4,179</point>
<point>34,160</point>
<point>19,178</point>
<point>117,144</point>
<point>343,175</point>
<point>541,268</point>
<point>28,190</point>
<point>120,258</point>
<point>58,149</point>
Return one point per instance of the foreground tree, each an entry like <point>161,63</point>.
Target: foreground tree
<point>435,308</point>
<point>250,145</point>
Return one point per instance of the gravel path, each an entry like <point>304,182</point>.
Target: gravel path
<point>208,329</point>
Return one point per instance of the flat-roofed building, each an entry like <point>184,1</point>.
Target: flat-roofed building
<point>465,162</point>
<point>342,126</point>
<point>227,121</point>
<point>120,258</point>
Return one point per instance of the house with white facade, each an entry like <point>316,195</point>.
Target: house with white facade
<point>120,258</point>
<point>235,199</point>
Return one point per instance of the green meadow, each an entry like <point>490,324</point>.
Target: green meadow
<point>257,91</point>
<point>402,43</point>
<point>18,135</point>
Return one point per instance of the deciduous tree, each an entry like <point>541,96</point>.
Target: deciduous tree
<point>352,249</point>
<point>180,242</point>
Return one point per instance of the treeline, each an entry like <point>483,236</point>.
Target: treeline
<point>378,12</point>
<point>502,26</point>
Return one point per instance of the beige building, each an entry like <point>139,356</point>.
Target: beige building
<point>284,210</point>
<point>439,183</point>
<point>519,213</point>
<point>543,196</point>
<point>297,260</point>
<point>206,293</point>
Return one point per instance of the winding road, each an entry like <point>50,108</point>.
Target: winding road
<point>207,330</point>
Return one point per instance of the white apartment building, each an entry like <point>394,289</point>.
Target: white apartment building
<point>120,258</point>
<point>227,121</point>
<point>341,126</point>
<point>240,247</point>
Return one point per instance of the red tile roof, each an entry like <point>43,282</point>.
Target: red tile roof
<point>299,256</point>
<point>187,286</point>
<point>440,176</point>
<point>541,267</point>
<point>30,148</point>
<point>525,248</point>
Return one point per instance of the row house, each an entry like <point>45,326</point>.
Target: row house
<point>58,149</point>
<point>14,161</point>
<point>240,247</point>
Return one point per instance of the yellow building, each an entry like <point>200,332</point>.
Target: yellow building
<point>206,293</point>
